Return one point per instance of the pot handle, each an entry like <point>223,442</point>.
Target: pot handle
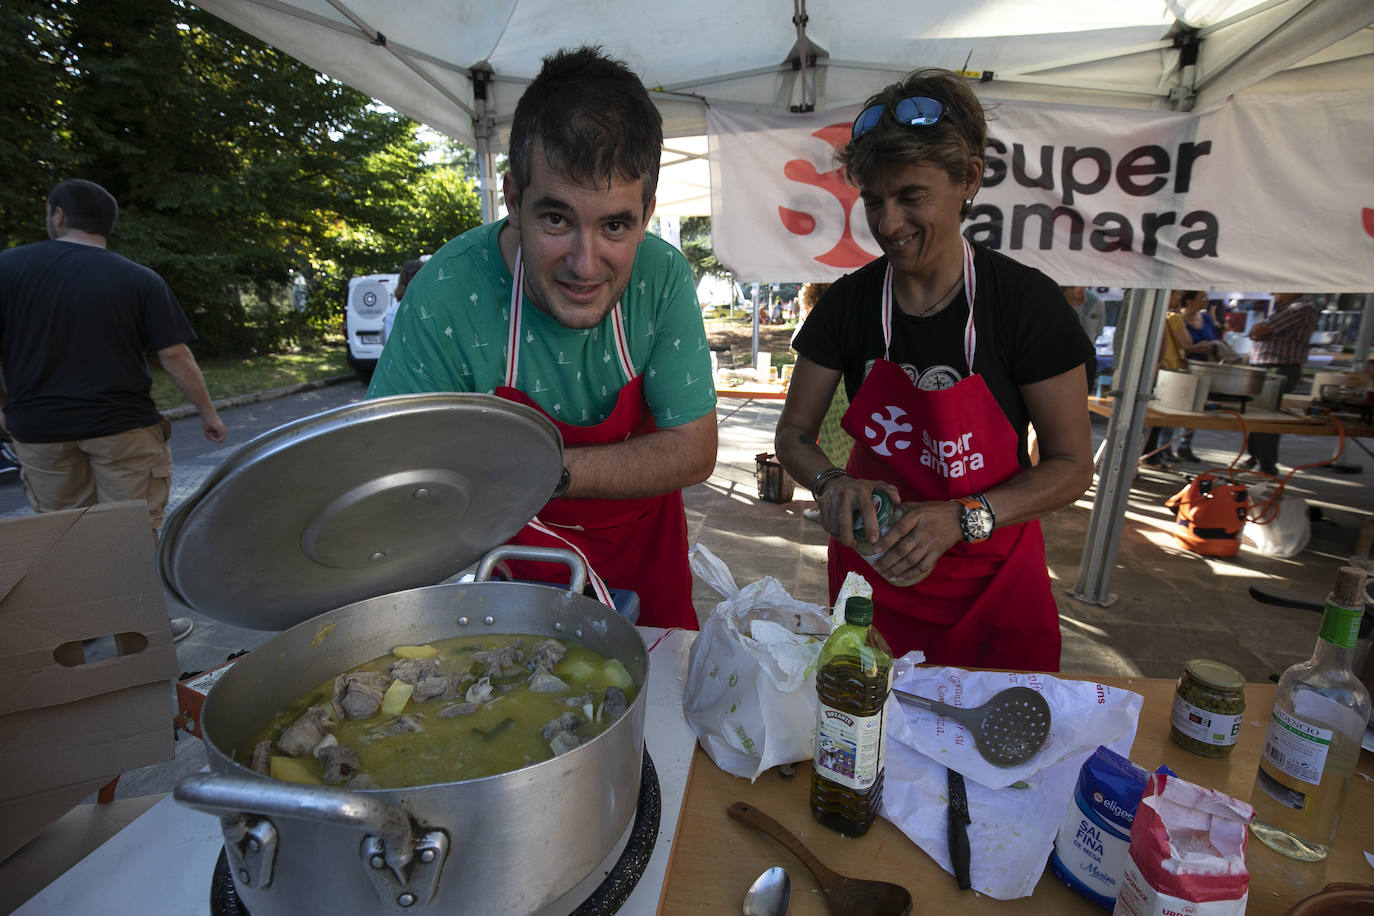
<point>237,795</point>
<point>577,576</point>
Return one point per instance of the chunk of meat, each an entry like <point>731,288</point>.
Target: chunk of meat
<point>413,670</point>
<point>546,653</point>
<point>340,763</point>
<point>479,692</point>
<point>563,742</point>
<point>398,725</point>
<point>429,687</point>
<point>301,736</point>
<point>614,705</point>
<point>546,682</point>
<point>457,685</point>
<point>262,757</point>
<point>358,694</point>
<point>501,661</point>
<point>459,709</point>
<point>568,722</point>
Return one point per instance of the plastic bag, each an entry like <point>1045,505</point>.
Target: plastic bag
<point>1287,529</point>
<point>751,676</point>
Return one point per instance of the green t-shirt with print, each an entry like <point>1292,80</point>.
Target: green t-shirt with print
<point>451,331</point>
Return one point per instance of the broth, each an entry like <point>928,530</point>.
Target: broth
<point>513,726</point>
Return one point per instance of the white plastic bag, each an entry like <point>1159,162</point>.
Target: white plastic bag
<point>751,676</point>
<point>1288,528</point>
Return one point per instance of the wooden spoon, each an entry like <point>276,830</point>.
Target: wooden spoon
<point>845,896</point>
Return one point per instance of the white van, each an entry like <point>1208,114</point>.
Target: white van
<point>369,299</point>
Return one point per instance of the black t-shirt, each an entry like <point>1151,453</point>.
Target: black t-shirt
<point>1026,333</point>
<point>76,322</point>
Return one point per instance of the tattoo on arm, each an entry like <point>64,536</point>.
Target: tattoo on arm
<point>807,439</point>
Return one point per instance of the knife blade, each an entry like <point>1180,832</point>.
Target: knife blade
<point>959,819</point>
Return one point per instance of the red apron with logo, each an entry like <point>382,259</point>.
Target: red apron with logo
<point>983,605</point>
<point>635,544</point>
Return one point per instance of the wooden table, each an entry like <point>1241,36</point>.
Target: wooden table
<point>752,391</point>
<point>1257,420</point>
<point>714,858</point>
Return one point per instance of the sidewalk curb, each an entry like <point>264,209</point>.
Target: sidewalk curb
<point>189,410</point>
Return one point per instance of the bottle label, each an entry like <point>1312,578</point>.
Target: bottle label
<point>849,748</point>
<point>1296,748</point>
<point>1341,626</point>
<point>1202,725</point>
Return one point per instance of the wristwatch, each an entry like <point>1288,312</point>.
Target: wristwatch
<point>975,518</point>
<point>563,480</point>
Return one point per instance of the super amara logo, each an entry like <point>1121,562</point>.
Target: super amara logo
<point>951,458</point>
<point>1145,171</point>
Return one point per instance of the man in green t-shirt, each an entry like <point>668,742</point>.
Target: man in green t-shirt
<point>604,334</point>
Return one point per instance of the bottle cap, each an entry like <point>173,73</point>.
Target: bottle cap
<point>858,611</point>
<point>1215,675</point>
<point>1349,591</point>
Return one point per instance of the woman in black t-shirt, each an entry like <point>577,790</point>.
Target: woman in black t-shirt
<point>947,352</point>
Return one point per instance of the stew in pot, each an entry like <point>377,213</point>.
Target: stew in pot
<point>450,710</point>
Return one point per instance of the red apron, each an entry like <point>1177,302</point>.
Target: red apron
<point>635,544</point>
<point>983,605</point>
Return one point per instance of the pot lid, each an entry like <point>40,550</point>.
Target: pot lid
<point>358,501</point>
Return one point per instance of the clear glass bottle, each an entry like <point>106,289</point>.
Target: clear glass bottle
<point>853,677</point>
<point>1320,714</point>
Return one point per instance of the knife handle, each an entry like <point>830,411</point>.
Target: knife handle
<point>959,854</point>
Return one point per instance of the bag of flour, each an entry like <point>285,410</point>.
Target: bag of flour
<point>1187,852</point>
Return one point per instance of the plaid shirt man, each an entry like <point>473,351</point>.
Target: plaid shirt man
<point>1290,334</point>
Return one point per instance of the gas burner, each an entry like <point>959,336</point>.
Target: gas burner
<point>1363,413</point>
<point>1240,400</point>
<point>607,899</point>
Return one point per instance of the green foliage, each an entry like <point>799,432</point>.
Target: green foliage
<point>696,245</point>
<point>237,168</point>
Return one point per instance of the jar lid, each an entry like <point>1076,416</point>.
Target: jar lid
<point>1214,674</point>
<point>358,501</point>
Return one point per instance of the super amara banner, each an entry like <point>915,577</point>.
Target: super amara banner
<point>1271,193</point>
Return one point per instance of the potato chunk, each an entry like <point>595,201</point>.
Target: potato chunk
<point>396,697</point>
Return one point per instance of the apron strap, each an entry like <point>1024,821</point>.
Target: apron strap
<point>970,287</point>
<point>603,594</point>
<point>622,344</point>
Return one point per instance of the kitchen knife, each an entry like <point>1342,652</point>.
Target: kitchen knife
<point>958,830</point>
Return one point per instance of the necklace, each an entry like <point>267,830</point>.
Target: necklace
<point>938,302</point>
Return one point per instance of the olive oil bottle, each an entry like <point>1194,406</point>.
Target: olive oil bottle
<point>1320,713</point>
<point>852,681</point>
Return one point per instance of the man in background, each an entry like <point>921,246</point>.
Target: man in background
<point>76,322</point>
<point>1281,344</point>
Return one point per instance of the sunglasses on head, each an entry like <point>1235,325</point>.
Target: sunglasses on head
<point>915,111</point>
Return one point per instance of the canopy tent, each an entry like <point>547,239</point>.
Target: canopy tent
<point>459,66</point>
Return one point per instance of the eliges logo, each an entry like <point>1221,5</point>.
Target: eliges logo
<point>846,253</point>
<point>891,432</point>
<point>951,458</point>
<point>1112,805</point>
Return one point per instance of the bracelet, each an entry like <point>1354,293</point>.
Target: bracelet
<point>820,480</point>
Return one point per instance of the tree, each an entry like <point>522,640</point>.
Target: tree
<point>236,166</point>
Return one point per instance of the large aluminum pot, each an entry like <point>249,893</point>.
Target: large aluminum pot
<point>510,843</point>
<point>1228,379</point>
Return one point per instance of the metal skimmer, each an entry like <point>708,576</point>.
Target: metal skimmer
<point>1008,729</point>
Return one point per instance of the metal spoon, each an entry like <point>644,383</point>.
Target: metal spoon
<point>770,893</point>
<point>1008,729</point>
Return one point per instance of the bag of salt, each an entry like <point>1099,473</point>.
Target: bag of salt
<point>1090,850</point>
<point>1187,852</point>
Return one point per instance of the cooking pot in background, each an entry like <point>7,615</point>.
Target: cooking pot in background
<point>1235,380</point>
<point>325,528</point>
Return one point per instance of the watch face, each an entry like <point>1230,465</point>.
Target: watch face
<point>977,523</point>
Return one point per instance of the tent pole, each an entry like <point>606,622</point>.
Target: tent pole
<point>1360,358</point>
<point>1132,386</point>
<point>484,129</point>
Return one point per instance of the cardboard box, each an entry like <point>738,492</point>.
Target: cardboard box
<point>68,726</point>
